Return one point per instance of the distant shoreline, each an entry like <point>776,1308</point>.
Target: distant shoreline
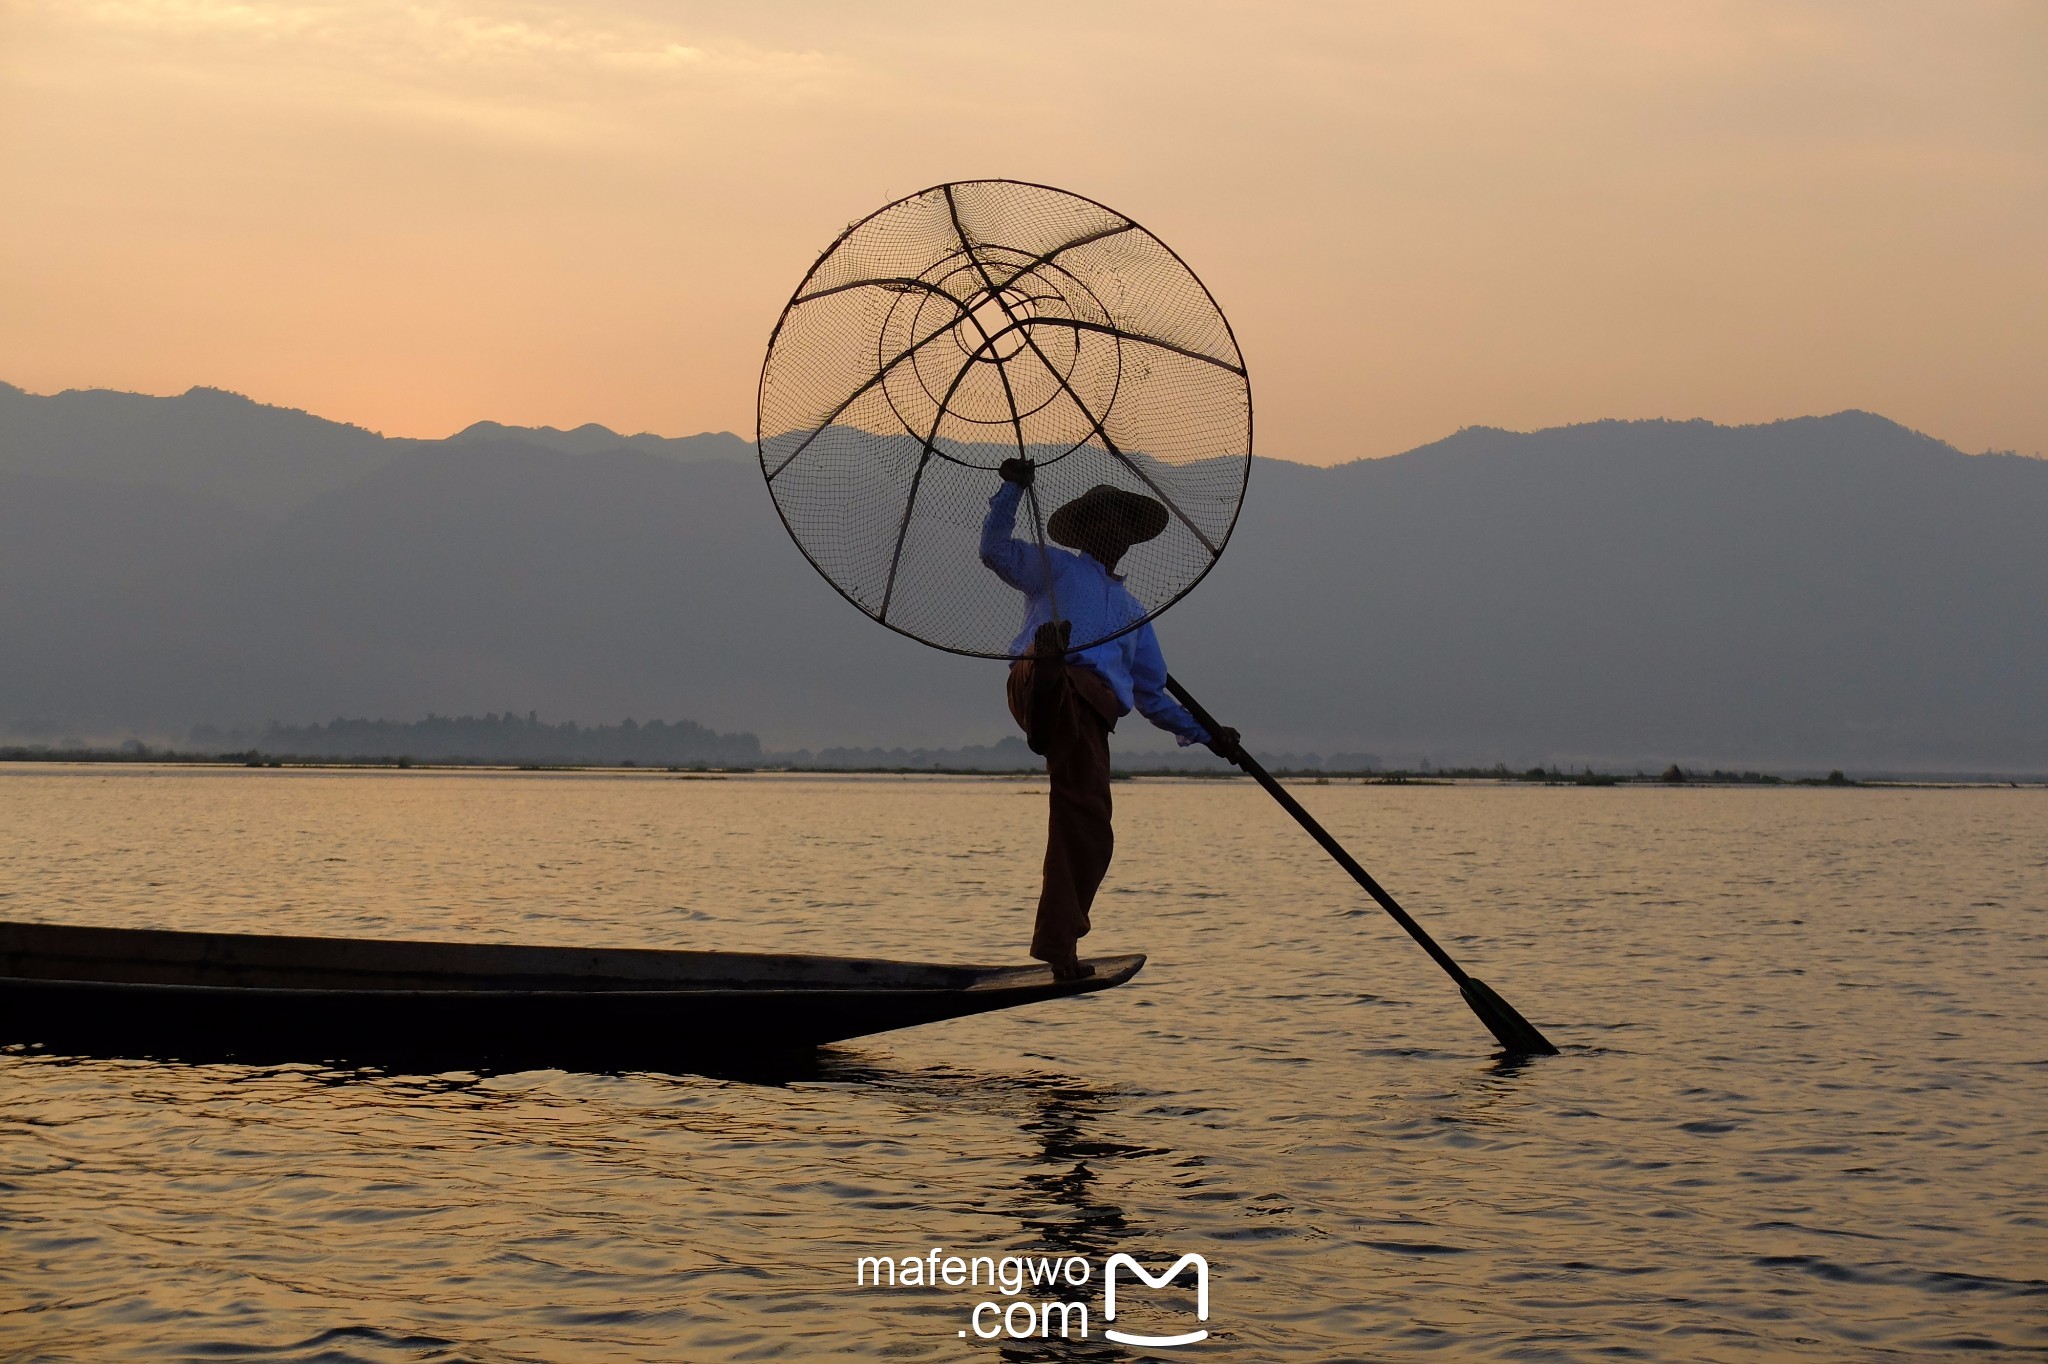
<point>1673,777</point>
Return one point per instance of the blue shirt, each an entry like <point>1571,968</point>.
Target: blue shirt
<point>1096,602</point>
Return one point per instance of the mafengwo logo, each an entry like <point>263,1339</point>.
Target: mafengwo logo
<point>1039,1289</point>
<point>1122,1261</point>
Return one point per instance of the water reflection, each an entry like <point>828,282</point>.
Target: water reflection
<point>1065,1206</point>
<point>1063,1202</point>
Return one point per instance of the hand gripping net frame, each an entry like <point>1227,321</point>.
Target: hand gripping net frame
<point>975,322</point>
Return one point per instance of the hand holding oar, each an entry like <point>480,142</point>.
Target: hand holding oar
<point>1516,1033</point>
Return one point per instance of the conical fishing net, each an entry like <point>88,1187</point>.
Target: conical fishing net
<point>983,321</point>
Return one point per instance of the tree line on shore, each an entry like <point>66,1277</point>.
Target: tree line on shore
<point>494,737</point>
<point>511,739</point>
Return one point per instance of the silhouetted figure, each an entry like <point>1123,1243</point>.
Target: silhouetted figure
<point>1067,700</point>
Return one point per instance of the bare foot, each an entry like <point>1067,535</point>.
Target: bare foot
<point>1071,967</point>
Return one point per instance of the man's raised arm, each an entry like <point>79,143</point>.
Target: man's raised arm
<point>1015,562</point>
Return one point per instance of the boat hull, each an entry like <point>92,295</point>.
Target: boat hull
<point>150,992</point>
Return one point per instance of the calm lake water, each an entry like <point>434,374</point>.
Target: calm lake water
<point>1800,1113</point>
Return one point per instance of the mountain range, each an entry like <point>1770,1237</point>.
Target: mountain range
<point>1833,591</point>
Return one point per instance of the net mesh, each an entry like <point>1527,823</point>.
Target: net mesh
<point>982,321</point>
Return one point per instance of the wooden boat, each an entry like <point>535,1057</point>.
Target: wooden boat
<point>128,991</point>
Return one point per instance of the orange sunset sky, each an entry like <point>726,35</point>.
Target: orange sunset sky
<point>1419,216</point>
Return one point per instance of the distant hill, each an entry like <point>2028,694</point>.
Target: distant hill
<point>263,459</point>
<point>1827,592</point>
<point>1808,593</point>
<point>203,443</point>
<point>591,439</point>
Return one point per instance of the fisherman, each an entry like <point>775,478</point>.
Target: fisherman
<point>1068,700</point>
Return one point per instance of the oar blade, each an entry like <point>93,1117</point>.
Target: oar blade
<point>1515,1033</point>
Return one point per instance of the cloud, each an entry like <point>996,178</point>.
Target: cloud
<point>522,71</point>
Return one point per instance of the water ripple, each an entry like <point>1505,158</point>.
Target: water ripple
<point>1794,1118</point>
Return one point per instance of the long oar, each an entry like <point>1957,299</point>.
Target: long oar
<point>1516,1033</point>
